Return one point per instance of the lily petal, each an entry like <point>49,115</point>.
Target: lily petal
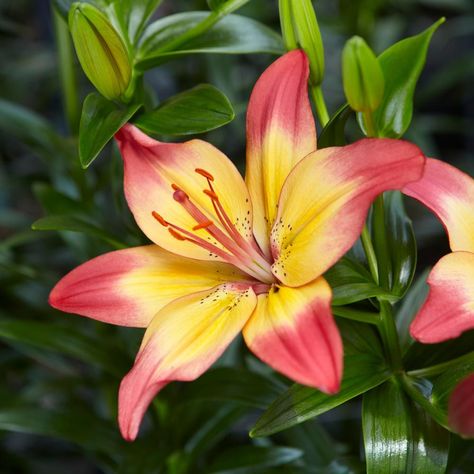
<point>152,168</point>
<point>128,287</point>
<point>293,331</point>
<point>461,408</point>
<point>449,193</point>
<point>325,200</point>
<point>183,340</point>
<point>280,132</point>
<point>449,308</point>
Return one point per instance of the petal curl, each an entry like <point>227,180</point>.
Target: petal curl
<point>461,408</point>
<point>449,193</point>
<point>325,200</point>
<point>128,287</point>
<point>183,341</point>
<point>280,132</point>
<point>449,308</point>
<point>293,331</point>
<point>151,168</point>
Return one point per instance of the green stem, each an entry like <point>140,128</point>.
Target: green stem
<point>380,242</point>
<point>388,332</point>
<point>356,315</point>
<point>443,367</point>
<point>320,104</point>
<point>67,73</point>
<point>370,253</point>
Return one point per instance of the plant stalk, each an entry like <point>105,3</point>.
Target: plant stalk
<point>320,104</point>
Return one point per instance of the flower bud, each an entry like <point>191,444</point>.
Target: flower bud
<point>362,76</point>
<point>100,49</point>
<point>300,29</point>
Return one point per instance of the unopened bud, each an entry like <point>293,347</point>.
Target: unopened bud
<point>362,76</point>
<point>301,30</point>
<point>100,49</point>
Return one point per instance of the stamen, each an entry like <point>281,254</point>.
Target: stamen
<point>203,225</point>
<point>176,235</point>
<point>211,194</point>
<point>180,196</point>
<point>159,219</point>
<point>175,187</point>
<point>204,173</point>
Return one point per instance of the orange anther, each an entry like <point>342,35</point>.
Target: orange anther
<point>175,187</point>
<point>159,219</point>
<point>176,235</point>
<point>211,194</point>
<point>203,225</point>
<point>204,173</point>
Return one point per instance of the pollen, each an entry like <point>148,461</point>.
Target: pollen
<point>203,225</point>
<point>159,219</point>
<point>176,235</point>
<point>211,194</point>
<point>204,173</point>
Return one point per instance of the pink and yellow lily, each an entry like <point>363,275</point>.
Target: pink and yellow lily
<point>449,308</point>
<point>231,255</point>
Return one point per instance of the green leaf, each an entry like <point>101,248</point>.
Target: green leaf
<point>30,129</point>
<point>54,202</point>
<point>76,426</point>
<point>402,65</point>
<point>100,120</point>
<point>333,132</point>
<point>224,7</point>
<point>75,224</point>
<point>252,459</point>
<point>235,385</point>
<point>351,282</point>
<point>401,242</point>
<point>399,436</point>
<point>64,340</point>
<point>234,34</point>
<point>63,6</point>
<point>364,368</point>
<point>196,110</point>
<point>133,15</point>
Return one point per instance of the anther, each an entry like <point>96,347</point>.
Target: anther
<point>204,173</point>
<point>159,219</point>
<point>176,235</point>
<point>203,225</point>
<point>211,194</point>
<point>175,187</point>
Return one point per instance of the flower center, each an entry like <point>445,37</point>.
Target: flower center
<point>235,249</point>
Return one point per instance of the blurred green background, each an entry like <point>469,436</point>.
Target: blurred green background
<point>60,373</point>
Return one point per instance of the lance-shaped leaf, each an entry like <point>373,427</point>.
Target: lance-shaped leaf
<point>196,110</point>
<point>364,368</point>
<point>333,132</point>
<point>100,120</point>
<point>399,436</point>
<point>402,65</point>
<point>234,34</point>
<point>224,7</point>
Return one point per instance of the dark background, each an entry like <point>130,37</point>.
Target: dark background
<point>442,125</point>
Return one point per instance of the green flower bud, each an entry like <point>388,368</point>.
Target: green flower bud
<point>300,29</point>
<point>100,49</point>
<point>362,76</point>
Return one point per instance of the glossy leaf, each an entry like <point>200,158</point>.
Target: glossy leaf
<point>333,132</point>
<point>234,385</point>
<point>364,369</point>
<point>402,65</point>
<point>64,340</point>
<point>234,34</point>
<point>100,120</point>
<point>75,224</point>
<point>224,7</point>
<point>133,15</point>
<point>351,282</point>
<point>251,459</point>
<point>401,242</point>
<point>399,436</point>
<point>197,110</point>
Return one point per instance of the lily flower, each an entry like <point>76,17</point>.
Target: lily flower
<point>231,255</point>
<point>449,308</point>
